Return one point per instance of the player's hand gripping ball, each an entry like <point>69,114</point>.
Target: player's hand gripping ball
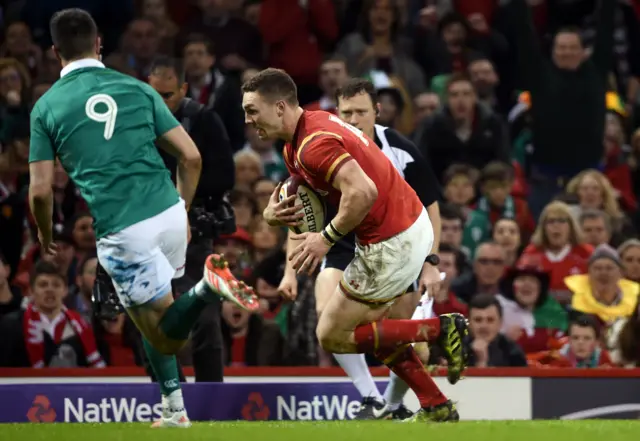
<point>312,204</point>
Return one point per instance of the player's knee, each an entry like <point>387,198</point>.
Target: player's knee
<point>328,339</point>
<point>168,347</point>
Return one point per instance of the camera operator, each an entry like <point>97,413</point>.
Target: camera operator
<point>210,215</point>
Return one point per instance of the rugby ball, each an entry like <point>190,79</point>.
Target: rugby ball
<point>312,202</point>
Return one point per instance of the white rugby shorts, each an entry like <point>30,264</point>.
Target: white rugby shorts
<point>381,272</point>
<point>143,258</point>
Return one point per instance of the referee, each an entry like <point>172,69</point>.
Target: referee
<point>357,105</point>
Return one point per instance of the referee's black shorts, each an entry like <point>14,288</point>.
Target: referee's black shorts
<point>338,258</point>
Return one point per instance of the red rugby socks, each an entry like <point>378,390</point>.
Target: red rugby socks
<point>406,364</point>
<point>390,334</point>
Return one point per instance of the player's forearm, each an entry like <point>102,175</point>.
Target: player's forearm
<point>288,265</point>
<point>433,211</point>
<point>187,178</point>
<point>41,204</point>
<point>354,205</point>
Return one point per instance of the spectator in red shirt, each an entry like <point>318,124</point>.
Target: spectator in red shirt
<point>558,247</point>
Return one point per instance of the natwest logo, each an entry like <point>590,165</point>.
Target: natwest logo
<point>41,411</point>
<point>320,407</point>
<point>255,409</point>
<point>109,410</point>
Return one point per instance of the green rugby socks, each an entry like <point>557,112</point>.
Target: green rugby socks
<point>183,313</point>
<point>165,368</point>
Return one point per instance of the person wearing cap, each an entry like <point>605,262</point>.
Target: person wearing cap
<point>531,317</point>
<point>603,292</point>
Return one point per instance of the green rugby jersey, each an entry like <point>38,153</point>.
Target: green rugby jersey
<point>102,125</point>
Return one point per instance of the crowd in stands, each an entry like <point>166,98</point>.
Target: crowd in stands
<point>527,110</point>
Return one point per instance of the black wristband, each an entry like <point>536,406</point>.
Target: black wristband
<point>328,237</point>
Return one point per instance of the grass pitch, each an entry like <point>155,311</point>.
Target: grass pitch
<point>584,430</point>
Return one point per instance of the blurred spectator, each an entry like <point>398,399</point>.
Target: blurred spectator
<point>244,207</point>
<point>452,224</point>
<point>531,317</point>
<point>464,131</point>
<point>241,332</point>
<point>603,292</point>
<point>624,340</point>
<point>496,181</point>
<point>80,299</point>
<point>377,49</point>
<point>15,83</point>
<point>424,106</point>
<point>485,81</point>
<point>445,301</point>
<point>47,333</point>
<point>118,342</point>
<point>488,269</point>
<point>237,250</point>
<point>64,259</point>
<point>449,47</point>
<point>489,347</point>
<point>140,48</point>
<point>249,168</point>
<point>629,253</point>
<point>459,182</point>
<point>156,10</point>
<point>594,191</point>
<point>262,189</point>
<point>19,45</point>
<point>83,235</point>
<point>270,157</point>
<point>392,106</point>
<point>237,44</point>
<point>557,244</point>
<point>215,89</point>
<point>568,92</point>
<point>264,239</point>
<point>296,34</point>
<point>333,74</point>
<point>10,296</point>
<point>506,233</point>
<point>596,227</point>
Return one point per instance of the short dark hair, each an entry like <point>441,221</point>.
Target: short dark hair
<point>484,301</point>
<point>451,212</point>
<point>461,169</point>
<point>44,268</point>
<point>570,30</point>
<point>356,86</point>
<point>497,171</point>
<point>73,32</point>
<point>197,38</point>
<point>458,77</point>
<point>168,63</point>
<point>585,321</point>
<point>273,84</point>
<point>596,214</point>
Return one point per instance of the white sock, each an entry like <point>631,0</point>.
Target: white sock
<point>173,402</point>
<point>395,391</point>
<point>356,368</point>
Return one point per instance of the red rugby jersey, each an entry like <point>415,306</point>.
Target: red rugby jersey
<point>567,263</point>
<point>322,144</point>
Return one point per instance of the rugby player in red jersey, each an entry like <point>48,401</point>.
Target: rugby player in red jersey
<point>393,231</point>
